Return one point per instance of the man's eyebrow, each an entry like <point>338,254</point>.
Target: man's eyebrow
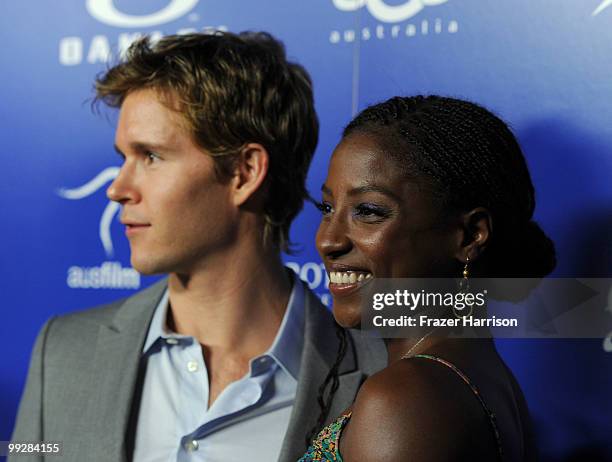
<point>139,146</point>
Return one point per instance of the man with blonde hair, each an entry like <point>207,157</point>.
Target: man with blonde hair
<point>224,359</point>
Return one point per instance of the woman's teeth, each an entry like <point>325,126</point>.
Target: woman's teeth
<point>348,277</point>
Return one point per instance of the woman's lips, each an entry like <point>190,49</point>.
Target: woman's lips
<point>342,283</point>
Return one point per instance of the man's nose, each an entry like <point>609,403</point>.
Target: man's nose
<point>123,188</point>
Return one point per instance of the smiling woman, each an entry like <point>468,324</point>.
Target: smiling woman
<point>429,187</point>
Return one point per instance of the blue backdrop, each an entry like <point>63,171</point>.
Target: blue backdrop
<point>541,65</point>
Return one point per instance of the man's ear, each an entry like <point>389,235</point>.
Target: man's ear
<point>250,172</point>
<point>477,228</point>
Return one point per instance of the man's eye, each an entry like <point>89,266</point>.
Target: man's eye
<point>324,207</point>
<point>151,156</point>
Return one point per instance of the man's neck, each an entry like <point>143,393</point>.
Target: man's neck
<point>234,306</point>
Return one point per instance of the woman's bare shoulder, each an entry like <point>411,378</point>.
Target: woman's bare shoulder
<point>413,409</point>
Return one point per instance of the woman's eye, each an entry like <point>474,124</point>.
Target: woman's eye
<point>371,211</point>
<point>324,207</point>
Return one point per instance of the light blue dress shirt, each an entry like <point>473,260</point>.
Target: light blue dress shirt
<point>247,421</point>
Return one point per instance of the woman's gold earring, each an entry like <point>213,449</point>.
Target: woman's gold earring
<point>466,272</point>
<point>464,287</point>
<point>465,283</point>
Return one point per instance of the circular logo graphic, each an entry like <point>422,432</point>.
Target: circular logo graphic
<point>106,12</point>
<point>387,13</point>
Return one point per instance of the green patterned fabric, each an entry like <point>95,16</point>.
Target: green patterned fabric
<point>325,447</point>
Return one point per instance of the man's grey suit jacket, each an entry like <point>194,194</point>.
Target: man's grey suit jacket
<point>86,372</point>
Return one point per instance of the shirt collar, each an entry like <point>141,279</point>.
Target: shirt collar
<point>286,349</point>
<point>158,328</point>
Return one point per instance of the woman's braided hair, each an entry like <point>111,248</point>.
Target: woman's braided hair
<point>324,397</point>
<point>469,158</point>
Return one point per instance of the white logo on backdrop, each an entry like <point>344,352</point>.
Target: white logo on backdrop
<point>603,5</point>
<point>106,12</point>
<point>315,275</point>
<point>108,274</point>
<point>105,176</point>
<point>75,50</point>
<point>387,13</point>
<point>392,21</point>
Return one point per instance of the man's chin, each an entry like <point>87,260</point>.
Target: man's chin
<point>147,268</point>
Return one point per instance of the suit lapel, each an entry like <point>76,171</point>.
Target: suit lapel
<point>318,356</point>
<point>116,365</point>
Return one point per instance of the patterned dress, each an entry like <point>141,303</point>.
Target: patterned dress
<point>326,446</point>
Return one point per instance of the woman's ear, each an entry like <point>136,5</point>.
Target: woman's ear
<point>250,172</point>
<point>477,228</point>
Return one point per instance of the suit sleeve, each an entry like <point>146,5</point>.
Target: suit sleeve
<point>28,426</point>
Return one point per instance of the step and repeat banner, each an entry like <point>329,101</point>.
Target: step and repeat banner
<point>544,66</point>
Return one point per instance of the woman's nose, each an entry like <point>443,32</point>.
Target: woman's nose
<point>332,238</point>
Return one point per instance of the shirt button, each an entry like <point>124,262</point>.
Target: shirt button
<point>192,366</point>
<point>171,341</point>
<point>191,446</point>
